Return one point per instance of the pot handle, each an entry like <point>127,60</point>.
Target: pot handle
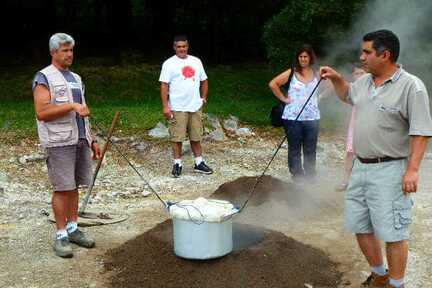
<point>229,216</point>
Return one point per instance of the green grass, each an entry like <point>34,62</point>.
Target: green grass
<point>134,90</point>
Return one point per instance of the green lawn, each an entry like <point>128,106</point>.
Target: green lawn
<point>134,90</point>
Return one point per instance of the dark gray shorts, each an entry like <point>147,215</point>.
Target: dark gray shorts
<point>69,166</point>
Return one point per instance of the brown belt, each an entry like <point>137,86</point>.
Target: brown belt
<point>378,160</point>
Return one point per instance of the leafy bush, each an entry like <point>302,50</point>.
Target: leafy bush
<point>306,21</point>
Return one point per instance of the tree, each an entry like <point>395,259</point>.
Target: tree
<point>306,21</point>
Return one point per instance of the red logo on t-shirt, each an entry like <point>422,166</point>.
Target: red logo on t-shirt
<point>188,72</point>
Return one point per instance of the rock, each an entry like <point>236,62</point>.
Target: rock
<point>215,132</point>
<point>115,139</point>
<point>216,135</point>
<point>186,148</point>
<point>1,191</point>
<point>244,132</point>
<point>31,158</point>
<point>3,178</point>
<point>146,193</point>
<point>142,147</point>
<point>160,131</point>
<point>231,123</point>
<point>212,121</point>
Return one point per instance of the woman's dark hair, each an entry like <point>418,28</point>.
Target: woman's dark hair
<point>304,48</point>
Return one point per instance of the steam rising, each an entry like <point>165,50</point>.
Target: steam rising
<point>408,19</point>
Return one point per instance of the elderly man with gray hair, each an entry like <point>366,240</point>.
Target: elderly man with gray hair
<point>64,131</point>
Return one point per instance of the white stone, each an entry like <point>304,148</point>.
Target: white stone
<point>160,131</point>
<point>244,132</point>
<point>231,124</point>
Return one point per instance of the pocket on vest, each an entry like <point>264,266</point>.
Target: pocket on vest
<point>59,132</point>
<point>60,94</point>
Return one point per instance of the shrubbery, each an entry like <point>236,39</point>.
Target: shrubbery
<point>306,21</point>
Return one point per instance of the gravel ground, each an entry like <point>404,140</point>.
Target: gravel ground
<point>26,235</point>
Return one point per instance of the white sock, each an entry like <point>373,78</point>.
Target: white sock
<point>61,233</point>
<point>178,161</point>
<point>380,270</point>
<point>71,227</point>
<point>396,283</point>
<point>198,160</point>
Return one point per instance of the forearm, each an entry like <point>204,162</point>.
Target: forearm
<point>418,147</point>
<point>341,88</point>
<point>164,95</point>
<point>276,91</point>
<point>204,90</point>
<point>51,112</point>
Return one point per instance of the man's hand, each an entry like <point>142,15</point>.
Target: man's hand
<point>81,109</point>
<point>97,153</point>
<point>341,87</point>
<point>327,72</point>
<point>167,113</point>
<point>409,181</point>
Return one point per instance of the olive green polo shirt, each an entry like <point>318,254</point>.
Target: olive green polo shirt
<point>386,116</point>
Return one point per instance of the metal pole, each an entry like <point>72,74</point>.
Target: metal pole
<point>105,148</point>
<point>252,191</point>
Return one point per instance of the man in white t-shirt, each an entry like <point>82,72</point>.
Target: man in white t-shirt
<point>183,92</point>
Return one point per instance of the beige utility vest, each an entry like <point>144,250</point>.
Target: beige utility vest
<point>62,131</point>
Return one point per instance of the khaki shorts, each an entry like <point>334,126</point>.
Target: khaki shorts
<point>186,123</point>
<point>375,203</point>
<point>69,166</point>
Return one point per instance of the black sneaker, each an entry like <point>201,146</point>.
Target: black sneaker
<point>176,170</point>
<point>203,168</point>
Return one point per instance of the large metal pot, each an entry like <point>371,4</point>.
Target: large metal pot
<point>201,236</point>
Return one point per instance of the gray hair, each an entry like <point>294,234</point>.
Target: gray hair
<point>59,39</point>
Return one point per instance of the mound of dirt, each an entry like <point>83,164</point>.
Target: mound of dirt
<point>273,261</point>
<point>238,191</point>
<point>260,257</point>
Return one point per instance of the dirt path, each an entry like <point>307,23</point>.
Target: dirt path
<point>26,236</point>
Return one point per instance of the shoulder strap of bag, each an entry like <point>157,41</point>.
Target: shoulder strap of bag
<point>290,78</point>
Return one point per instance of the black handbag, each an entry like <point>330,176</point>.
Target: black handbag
<point>277,110</point>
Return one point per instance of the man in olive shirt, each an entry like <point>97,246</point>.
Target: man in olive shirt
<point>391,131</point>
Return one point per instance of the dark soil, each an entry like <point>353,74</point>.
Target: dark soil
<point>238,191</point>
<point>260,258</point>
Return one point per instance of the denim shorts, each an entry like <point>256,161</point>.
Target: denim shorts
<point>69,166</point>
<point>375,203</point>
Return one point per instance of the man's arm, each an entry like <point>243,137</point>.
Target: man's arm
<point>204,90</point>
<point>340,85</point>
<point>164,98</point>
<point>45,111</point>
<point>418,147</point>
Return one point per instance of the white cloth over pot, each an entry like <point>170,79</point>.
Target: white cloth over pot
<point>202,210</point>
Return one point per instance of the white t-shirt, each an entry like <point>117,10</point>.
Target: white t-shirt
<point>183,77</point>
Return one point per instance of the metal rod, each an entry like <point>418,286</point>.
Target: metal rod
<point>105,148</point>
<point>165,203</point>
<point>277,150</point>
